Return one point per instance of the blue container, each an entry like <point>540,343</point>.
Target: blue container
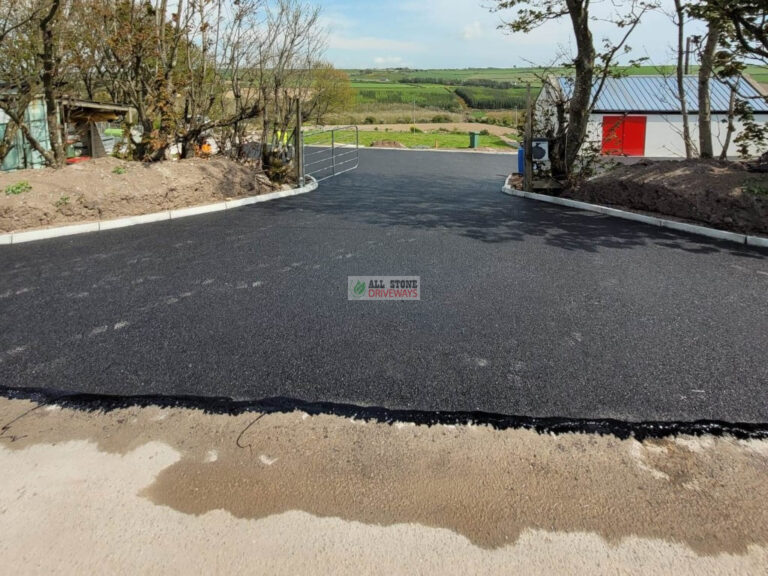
<point>520,160</point>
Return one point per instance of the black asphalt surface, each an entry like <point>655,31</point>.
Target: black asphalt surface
<point>527,309</point>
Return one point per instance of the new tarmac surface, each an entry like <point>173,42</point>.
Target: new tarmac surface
<point>526,309</point>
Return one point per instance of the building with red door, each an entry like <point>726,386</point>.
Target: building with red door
<point>641,115</point>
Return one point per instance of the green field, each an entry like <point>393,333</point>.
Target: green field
<point>521,75</point>
<point>483,98</point>
<point>759,73</point>
<point>423,95</point>
<point>490,94</point>
<point>454,92</point>
<point>409,139</point>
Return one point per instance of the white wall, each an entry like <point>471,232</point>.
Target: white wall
<point>664,133</point>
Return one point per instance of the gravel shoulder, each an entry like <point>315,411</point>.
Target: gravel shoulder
<point>84,492</point>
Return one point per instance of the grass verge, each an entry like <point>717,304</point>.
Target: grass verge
<point>451,140</point>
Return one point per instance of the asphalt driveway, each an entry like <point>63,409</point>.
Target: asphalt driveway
<point>526,309</point>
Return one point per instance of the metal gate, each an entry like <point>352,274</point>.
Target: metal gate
<point>330,152</point>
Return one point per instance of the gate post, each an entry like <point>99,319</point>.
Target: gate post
<point>299,144</point>
<point>333,150</point>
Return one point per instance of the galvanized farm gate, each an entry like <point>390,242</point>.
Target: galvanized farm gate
<point>329,152</point>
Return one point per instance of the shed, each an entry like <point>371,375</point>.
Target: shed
<point>91,130</point>
<point>641,115</point>
<point>20,152</point>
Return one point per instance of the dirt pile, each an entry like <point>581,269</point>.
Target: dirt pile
<point>721,194</point>
<point>108,188</point>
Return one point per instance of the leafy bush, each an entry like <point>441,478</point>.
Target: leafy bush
<point>276,169</point>
<point>415,130</point>
<point>441,119</point>
<point>18,188</point>
<point>484,132</point>
<point>369,120</point>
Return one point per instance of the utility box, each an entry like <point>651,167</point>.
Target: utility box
<point>474,139</point>
<point>521,160</point>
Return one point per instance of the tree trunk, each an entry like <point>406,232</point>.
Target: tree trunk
<point>731,125</point>
<point>705,74</point>
<point>6,144</point>
<point>682,67</point>
<point>18,120</point>
<point>579,109</point>
<point>37,145</point>
<point>49,90</point>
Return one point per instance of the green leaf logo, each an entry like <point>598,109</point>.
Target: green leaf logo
<point>359,288</point>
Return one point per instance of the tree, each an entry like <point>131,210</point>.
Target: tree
<point>737,32</point>
<point>331,92</point>
<point>706,70</point>
<point>49,79</point>
<point>187,67</point>
<point>21,70</point>
<point>591,67</point>
<point>679,19</point>
<point>749,19</point>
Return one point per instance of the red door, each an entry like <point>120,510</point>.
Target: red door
<point>624,135</point>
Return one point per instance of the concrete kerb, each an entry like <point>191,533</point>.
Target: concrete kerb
<point>45,233</point>
<point>645,219</point>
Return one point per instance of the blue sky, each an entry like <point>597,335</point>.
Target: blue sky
<point>461,34</point>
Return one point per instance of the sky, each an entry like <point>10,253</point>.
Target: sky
<point>464,34</point>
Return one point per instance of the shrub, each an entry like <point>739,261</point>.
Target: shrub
<point>119,170</point>
<point>18,188</point>
<point>369,120</point>
<point>441,119</point>
<point>415,130</point>
<point>484,132</point>
<point>276,169</point>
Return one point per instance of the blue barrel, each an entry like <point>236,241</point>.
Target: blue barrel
<point>520,160</point>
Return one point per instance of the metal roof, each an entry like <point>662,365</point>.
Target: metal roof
<point>658,94</point>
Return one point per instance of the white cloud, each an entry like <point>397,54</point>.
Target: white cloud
<point>474,30</point>
<point>462,33</point>
<point>335,23</point>
<point>370,43</point>
<point>388,60</point>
